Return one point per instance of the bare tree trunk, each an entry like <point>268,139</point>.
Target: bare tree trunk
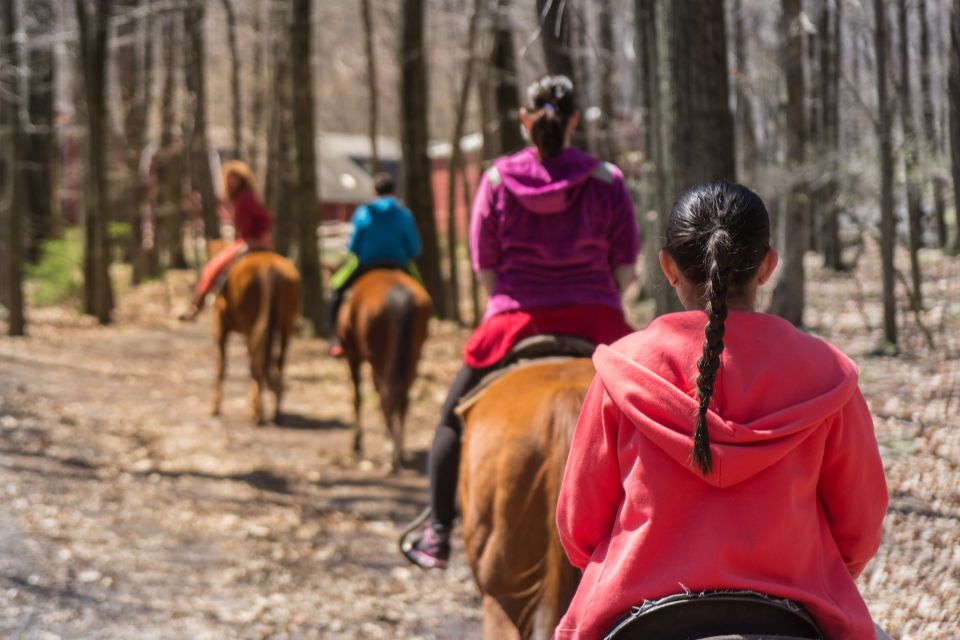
<point>953,93</point>
<point>129,62</point>
<point>15,213</point>
<point>257,108</point>
<point>694,119</point>
<point>373,87</point>
<point>788,296</point>
<point>930,124</point>
<point>201,179</point>
<point>655,207</point>
<point>39,141</point>
<point>556,35</point>
<point>237,105</point>
<point>504,78</point>
<point>607,147</point>
<point>169,218</point>
<point>887,228</point>
<point>280,182</point>
<point>305,138</point>
<point>830,61</point>
<point>457,162</point>
<point>94,36</point>
<point>746,134</point>
<point>914,203</point>
<point>414,136</point>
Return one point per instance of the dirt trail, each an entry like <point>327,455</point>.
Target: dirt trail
<point>129,512</point>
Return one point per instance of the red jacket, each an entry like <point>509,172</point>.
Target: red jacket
<point>251,219</point>
<point>795,503</point>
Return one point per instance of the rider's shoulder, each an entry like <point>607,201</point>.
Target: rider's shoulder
<point>607,172</point>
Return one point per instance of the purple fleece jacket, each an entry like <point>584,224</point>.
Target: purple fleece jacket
<point>552,231</point>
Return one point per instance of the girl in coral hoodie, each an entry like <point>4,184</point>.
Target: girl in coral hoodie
<point>721,448</point>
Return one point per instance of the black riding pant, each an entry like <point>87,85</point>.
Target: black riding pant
<point>444,463</point>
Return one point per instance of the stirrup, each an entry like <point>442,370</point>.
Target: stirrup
<point>405,544</point>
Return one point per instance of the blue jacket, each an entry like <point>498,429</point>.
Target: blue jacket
<point>384,231</point>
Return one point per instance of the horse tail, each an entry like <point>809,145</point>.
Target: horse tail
<point>561,578</point>
<point>401,310</point>
<point>267,318</point>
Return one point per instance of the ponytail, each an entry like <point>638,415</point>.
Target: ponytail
<point>549,132</point>
<point>551,103</point>
<point>718,233</point>
<point>716,265</point>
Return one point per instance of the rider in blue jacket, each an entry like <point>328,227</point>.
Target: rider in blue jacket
<point>384,236</point>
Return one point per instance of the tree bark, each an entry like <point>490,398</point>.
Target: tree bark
<point>129,60</point>
<point>15,214</point>
<point>788,296</point>
<point>556,36</point>
<point>280,182</point>
<point>40,139</point>
<point>887,227</point>
<point>930,124</point>
<point>373,88</point>
<point>201,179</point>
<point>746,133</point>
<point>695,124</point>
<point>94,40</point>
<point>259,90</point>
<point>953,93</point>
<point>830,68</point>
<point>305,144</point>
<point>607,147</point>
<point>457,162</point>
<point>914,203</point>
<point>414,136</point>
<point>235,85</point>
<point>504,78</point>
<point>168,215</point>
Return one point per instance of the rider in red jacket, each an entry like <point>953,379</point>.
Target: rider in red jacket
<point>252,222</point>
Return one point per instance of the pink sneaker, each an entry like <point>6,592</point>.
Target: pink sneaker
<point>431,550</point>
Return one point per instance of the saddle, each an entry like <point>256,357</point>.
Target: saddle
<point>717,615</point>
<point>529,351</point>
<point>221,279</point>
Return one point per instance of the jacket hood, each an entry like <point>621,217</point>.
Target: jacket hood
<point>776,386</point>
<point>549,186</point>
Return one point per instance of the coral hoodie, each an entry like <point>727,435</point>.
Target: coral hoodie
<point>795,503</point>
<point>553,231</point>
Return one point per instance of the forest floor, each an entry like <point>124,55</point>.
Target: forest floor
<point>130,512</point>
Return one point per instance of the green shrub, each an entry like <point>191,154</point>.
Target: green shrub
<point>58,274</point>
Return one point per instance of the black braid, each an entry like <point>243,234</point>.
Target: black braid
<point>719,233</point>
<point>715,290</point>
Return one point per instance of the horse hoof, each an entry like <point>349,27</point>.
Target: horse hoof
<point>278,419</point>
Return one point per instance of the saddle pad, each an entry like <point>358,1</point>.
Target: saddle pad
<point>471,398</point>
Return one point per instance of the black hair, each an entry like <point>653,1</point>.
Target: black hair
<point>383,184</point>
<point>718,234</point>
<point>551,103</point>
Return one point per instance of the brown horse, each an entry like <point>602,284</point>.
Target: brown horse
<point>384,322</point>
<point>516,439</point>
<point>260,300</point>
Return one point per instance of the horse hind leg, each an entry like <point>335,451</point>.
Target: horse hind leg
<point>258,371</point>
<point>221,339</point>
<point>354,362</point>
<point>276,378</point>
<point>496,623</point>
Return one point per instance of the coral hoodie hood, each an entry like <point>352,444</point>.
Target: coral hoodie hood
<point>550,186</point>
<point>770,399</point>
